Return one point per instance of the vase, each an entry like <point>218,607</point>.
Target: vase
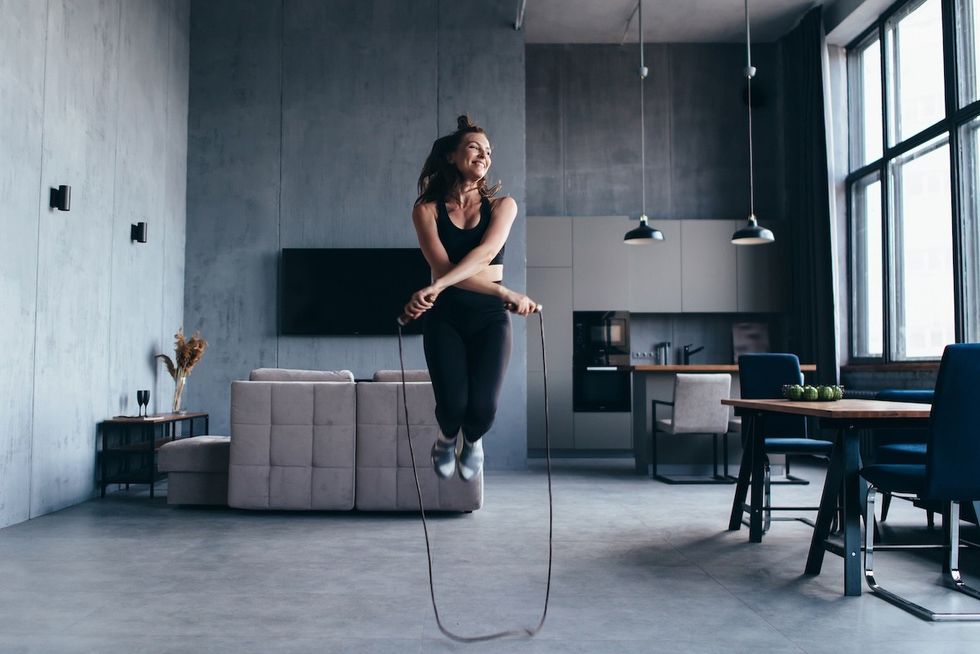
<point>180,382</point>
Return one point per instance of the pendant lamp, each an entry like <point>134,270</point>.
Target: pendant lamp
<point>642,234</point>
<point>751,233</point>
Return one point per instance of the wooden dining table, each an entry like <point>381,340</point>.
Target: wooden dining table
<point>849,418</point>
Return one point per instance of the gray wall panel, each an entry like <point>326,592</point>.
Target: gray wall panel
<point>545,151</point>
<point>365,89</point>
<point>85,93</point>
<point>174,215</point>
<point>22,34</point>
<point>487,82</point>
<point>696,133</point>
<point>75,250</point>
<point>136,299</point>
<point>359,102</point>
<point>232,195</point>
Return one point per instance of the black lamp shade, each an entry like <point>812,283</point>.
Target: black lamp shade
<point>752,234</point>
<point>643,234</point>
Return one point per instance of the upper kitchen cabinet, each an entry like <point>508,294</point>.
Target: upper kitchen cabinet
<point>601,263</point>
<point>655,272</point>
<point>761,281</point>
<point>708,279</point>
<point>549,242</point>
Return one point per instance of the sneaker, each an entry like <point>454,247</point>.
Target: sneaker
<point>444,457</point>
<point>470,459</point>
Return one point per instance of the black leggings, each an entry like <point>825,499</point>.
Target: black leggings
<point>467,342</point>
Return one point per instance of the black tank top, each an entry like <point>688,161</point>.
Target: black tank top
<point>459,242</point>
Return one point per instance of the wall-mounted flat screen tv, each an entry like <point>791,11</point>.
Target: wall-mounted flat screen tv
<point>348,292</point>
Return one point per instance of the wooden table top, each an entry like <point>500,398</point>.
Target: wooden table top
<point>839,409</point>
<point>702,367</point>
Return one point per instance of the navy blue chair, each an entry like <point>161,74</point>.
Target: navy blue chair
<point>762,377</point>
<point>949,475</point>
<point>901,445</point>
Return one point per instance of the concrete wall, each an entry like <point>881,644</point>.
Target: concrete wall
<point>583,122</point>
<point>93,95</point>
<point>309,122</point>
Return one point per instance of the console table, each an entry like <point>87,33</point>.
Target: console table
<point>128,447</point>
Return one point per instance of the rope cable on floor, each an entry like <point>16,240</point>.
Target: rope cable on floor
<point>526,632</point>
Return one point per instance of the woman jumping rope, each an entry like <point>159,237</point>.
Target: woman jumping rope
<point>462,228</point>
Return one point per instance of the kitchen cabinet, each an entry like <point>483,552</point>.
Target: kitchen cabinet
<point>560,409</point>
<point>655,272</point>
<point>549,241</point>
<point>552,288</point>
<point>708,276</point>
<point>603,431</point>
<point>600,263</point>
<point>762,272</point>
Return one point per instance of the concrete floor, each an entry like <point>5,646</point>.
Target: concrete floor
<point>639,567</point>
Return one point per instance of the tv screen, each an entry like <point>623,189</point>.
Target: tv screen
<point>348,292</point>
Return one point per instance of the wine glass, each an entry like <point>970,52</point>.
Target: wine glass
<point>143,399</point>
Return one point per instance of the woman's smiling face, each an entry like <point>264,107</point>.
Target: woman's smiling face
<point>472,156</point>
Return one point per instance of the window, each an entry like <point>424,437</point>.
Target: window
<point>914,241</point>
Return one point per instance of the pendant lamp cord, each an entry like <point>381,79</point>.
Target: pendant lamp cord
<point>643,138</point>
<point>749,74</point>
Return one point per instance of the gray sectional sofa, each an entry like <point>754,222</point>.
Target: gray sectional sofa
<point>318,440</point>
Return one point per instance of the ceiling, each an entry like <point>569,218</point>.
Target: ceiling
<point>664,21</point>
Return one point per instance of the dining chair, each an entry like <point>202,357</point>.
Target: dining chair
<point>950,473</point>
<point>901,445</point>
<point>697,409</point>
<point>762,376</point>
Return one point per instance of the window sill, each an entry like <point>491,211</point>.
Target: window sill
<point>909,366</point>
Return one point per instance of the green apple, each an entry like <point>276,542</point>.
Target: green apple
<point>825,393</point>
<point>810,393</point>
<point>794,392</point>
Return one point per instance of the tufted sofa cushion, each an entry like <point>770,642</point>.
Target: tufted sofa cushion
<point>292,445</point>
<point>286,374</point>
<point>385,480</point>
<point>396,375</point>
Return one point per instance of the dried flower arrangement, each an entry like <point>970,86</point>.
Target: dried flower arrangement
<point>188,352</point>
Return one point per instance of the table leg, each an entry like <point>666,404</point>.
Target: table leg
<point>102,463</point>
<point>828,507</point>
<point>744,474</point>
<point>852,513</point>
<point>758,479</point>
<point>153,457</point>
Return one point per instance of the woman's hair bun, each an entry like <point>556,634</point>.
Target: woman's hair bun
<point>464,122</point>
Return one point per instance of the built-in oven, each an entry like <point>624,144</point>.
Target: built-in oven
<point>600,361</point>
<point>601,389</point>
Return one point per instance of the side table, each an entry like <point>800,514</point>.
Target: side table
<point>128,446</point>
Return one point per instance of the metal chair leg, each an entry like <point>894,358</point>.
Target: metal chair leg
<point>767,497</point>
<point>953,577</point>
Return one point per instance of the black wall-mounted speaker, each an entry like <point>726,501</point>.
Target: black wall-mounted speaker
<point>60,198</point>
<point>137,232</point>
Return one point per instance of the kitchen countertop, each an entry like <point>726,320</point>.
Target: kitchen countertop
<point>702,367</point>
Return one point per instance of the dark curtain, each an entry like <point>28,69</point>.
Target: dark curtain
<point>812,320</point>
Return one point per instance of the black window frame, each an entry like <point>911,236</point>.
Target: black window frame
<point>949,125</point>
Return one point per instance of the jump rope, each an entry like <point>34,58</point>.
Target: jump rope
<point>525,632</point>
